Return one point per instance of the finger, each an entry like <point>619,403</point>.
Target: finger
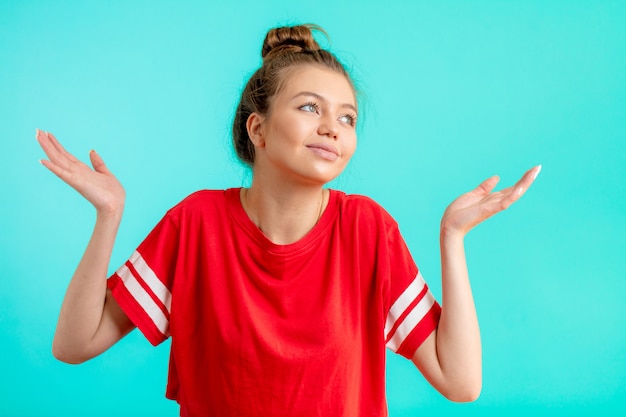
<point>488,185</point>
<point>526,181</point>
<point>56,170</point>
<point>97,163</point>
<point>512,194</point>
<point>44,142</point>
<point>523,183</point>
<point>53,149</point>
<point>48,147</point>
<point>60,147</point>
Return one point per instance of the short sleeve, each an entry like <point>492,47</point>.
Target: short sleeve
<point>414,313</point>
<point>143,285</point>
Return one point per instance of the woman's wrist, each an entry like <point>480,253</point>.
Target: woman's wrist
<point>448,233</point>
<point>111,214</point>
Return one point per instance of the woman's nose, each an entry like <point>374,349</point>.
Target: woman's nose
<point>328,127</point>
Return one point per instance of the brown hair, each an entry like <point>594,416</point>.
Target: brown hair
<point>283,49</point>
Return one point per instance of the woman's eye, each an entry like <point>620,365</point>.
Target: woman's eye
<point>348,118</point>
<point>310,107</point>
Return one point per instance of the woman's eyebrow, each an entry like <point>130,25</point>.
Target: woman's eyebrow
<point>321,98</point>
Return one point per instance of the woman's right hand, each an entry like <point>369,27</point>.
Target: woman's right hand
<point>98,185</point>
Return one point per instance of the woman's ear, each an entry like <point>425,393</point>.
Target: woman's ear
<point>255,126</point>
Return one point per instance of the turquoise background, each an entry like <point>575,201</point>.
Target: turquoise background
<point>453,92</point>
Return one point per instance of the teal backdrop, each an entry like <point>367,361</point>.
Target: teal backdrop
<point>452,92</point>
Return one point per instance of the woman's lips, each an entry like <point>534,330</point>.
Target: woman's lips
<point>324,151</point>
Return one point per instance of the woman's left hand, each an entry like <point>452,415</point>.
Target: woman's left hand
<point>481,203</point>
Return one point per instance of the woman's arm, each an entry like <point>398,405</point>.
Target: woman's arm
<point>450,358</point>
<point>90,320</point>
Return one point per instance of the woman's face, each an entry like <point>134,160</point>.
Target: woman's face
<point>309,134</point>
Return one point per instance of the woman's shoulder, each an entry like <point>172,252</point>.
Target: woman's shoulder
<point>362,207</point>
<point>204,200</point>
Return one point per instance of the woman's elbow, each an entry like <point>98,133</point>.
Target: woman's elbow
<point>464,393</point>
<point>65,355</point>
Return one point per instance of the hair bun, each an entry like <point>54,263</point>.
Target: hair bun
<point>290,39</point>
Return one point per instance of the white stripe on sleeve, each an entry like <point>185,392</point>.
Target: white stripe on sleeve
<point>145,301</point>
<point>403,302</point>
<point>156,285</point>
<point>410,321</point>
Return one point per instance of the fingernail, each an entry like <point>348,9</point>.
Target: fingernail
<point>36,132</point>
<point>537,171</point>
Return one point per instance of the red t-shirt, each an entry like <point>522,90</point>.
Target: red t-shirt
<point>260,329</point>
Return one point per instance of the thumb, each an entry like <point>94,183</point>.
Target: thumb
<point>488,185</point>
<point>98,163</point>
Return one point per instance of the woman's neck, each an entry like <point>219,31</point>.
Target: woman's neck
<point>284,212</point>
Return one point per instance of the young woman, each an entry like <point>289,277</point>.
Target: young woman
<point>281,298</point>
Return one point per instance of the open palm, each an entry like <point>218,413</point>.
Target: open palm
<point>98,185</point>
<point>481,203</point>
